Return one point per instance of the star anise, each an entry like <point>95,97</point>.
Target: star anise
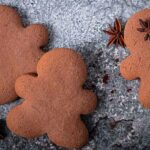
<point>145,27</point>
<point>116,35</point>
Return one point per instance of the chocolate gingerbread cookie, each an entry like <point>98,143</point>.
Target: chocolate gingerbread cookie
<point>19,50</point>
<point>54,100</point>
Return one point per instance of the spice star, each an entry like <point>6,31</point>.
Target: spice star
<point>145,27</point>
<point>116,35</point>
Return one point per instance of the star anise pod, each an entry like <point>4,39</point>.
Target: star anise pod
<point>145,27</point>
<point>116,35</point>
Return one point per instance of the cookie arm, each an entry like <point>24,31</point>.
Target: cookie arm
<point>37,33</point>
<point>129,67</point>
<point>25,85</point>
<point>88,101</point>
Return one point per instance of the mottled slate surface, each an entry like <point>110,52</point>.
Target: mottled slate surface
<point>119,122</point>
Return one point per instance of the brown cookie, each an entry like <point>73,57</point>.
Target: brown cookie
<point>54,100</point>
<point>137,65</point>
<point>19,50</point>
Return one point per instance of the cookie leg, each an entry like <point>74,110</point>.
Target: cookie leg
<point>7,91</point>
<point>129,67</point>
<point>144,94</point>
<point>25,121</point>
<point>73,134</point>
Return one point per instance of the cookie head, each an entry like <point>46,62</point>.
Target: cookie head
<point>54,100</point>
<point>19,48</point>
<point>136,30</point>
<point>70,69</point>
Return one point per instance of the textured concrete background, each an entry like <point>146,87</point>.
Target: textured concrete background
<point>119,122</point>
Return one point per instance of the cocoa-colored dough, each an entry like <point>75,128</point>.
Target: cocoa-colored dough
<point>137,65</point>
<point>19,50</point>
<point>54,100</point>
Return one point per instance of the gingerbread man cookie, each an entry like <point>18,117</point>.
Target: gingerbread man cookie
<point>137,65</point>
<point>19,50</point>
<point>54,100</point>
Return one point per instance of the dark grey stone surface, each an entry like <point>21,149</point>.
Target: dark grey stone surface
<point>119,121</point>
